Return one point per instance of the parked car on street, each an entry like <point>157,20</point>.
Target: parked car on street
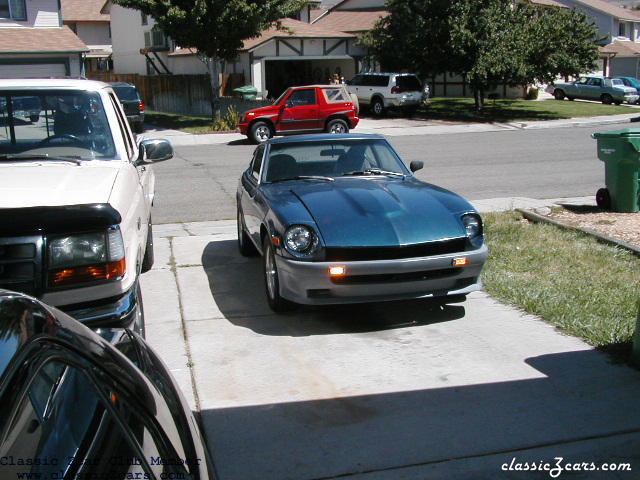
<point>75,201</point>
<point>607,90</point>
<point>341,219</point>
<point>382,91</point>
<point>307,109</point>
<point>631,82</point>
<point>75,405</point>
<point>131,103</point>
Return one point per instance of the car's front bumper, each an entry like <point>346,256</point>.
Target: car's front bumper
<point>309,283</point>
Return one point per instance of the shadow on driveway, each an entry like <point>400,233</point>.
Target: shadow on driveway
<point>237,286</point>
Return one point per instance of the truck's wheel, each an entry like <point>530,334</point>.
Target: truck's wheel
<point>260,132</point>
<point>607,99</point>
<point>558,94</point>
<point>337,126</point>
<point>377,107</point>
<point>147,261</point>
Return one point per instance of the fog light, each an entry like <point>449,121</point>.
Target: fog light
<point>460,262</point>
<point>337,271</point>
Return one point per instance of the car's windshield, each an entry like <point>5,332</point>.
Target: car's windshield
<point>330,159</point>
<point>284,94</point>
<point>54,124</point>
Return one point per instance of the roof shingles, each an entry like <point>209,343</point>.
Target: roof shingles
<point>38,40</point>
<point>83,11</point>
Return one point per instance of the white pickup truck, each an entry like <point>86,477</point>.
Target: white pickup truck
<point>75,200</point>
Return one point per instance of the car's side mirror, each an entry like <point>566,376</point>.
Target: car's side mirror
<point>155,150</point>
<point>416,165</point>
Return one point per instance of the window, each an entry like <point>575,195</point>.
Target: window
<point>143,18</point>
<point>622,30</point>
<point>302,97</point>
<point>257,162</point>
<point>14,9</point>
<point>596,82</point>
<point>335,95</point>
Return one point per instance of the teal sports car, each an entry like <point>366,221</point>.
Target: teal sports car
<point>341,219</point>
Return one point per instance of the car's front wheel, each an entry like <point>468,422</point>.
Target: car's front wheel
<point>558,94</point>
<point>607,99</point>
<point>271,279</point>
<point>337,126</point>
<point>260,132</point>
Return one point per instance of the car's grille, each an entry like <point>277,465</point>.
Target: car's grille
<point>444,247</point>
<point>21,264</point>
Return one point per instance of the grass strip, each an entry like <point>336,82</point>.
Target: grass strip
<point>463,109</point>
<point>583,287</point>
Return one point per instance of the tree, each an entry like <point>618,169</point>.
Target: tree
<point>487,41</point>
<point>215,28</point>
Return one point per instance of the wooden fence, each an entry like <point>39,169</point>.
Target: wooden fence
<point>183,94</point>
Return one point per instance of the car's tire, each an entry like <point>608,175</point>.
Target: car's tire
<point>377,107</point>
<point>139,323</point>
<point>260,132</point>
<point>617,102</point>
<point>147,260</point>
<point>603,198</point>
<point>34,118</point>
<point>337,126</point>
<point>245,246</point>
<point>558,94</point>
<point>271,279</point>
<point>606,99</point>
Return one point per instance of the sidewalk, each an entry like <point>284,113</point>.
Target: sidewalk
<point>384,392</point>
<point>399,126</point>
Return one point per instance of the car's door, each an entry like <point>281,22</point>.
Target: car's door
<point>356,86</point>
<point>594,88</point>
<point>249,195</point>
<point>300,111</point>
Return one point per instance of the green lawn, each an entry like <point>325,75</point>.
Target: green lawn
<point>583,287</point>
<point>463,109</point>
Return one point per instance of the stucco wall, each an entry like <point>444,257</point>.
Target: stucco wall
<point>127,39</point>
<point>93,33</point>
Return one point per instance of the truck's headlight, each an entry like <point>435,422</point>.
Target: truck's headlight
<point>86,257</point>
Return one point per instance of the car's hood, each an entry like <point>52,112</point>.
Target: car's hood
<point>33,184</point>
<point>262,111</point>
<point>381,211</point>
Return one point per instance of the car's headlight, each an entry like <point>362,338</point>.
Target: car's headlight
<point>473,228</point>
<point>86,257</point>
<point>300,239</point>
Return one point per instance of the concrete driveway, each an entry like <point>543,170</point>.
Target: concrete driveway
<point>403,390</point>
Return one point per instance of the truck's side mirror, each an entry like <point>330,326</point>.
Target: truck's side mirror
<point>155,150</point>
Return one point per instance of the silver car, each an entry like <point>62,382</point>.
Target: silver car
<point>381,91</point>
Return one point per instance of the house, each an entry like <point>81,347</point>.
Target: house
<point>35,43</point>
<point>85,19</point>
<point>618,35</point>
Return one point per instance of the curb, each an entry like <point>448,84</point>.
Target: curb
<point>534,217</point>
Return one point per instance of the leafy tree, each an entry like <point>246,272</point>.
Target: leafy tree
<point>487,41</point>
<point>215,28</point>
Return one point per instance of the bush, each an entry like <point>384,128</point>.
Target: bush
<point>532,93</point>
<point>228,122</point>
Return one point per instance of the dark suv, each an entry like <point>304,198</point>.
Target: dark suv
<point>380,91</point>
<point>131,103</point>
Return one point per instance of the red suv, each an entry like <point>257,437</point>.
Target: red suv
<point>313,108</point>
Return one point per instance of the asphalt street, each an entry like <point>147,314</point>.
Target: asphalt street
<point>399,390</point>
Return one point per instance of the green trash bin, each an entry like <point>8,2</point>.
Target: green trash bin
<point>247,92</point>
<point>620,152</point>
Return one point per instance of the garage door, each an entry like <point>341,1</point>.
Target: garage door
<point>34,70</point>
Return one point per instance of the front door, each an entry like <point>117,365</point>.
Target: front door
<point>300,112</point>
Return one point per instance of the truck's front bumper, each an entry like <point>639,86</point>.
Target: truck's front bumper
<point>309,283</point>
<point>114,312</point>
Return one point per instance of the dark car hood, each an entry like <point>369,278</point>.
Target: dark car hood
<point>380,211</point>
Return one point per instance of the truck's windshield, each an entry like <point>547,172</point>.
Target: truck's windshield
<point>54,124</point>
